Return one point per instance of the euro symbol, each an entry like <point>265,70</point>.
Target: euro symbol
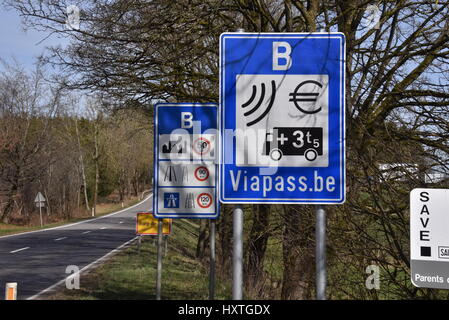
<point>295,97</point>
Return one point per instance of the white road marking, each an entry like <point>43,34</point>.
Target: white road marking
<point>85,269</point>
<point>120,222</point>
<point>102,228</point>
<point>62,238</point>
<point>91,265</point>
<point>86,232</point>
<point>19,250</point>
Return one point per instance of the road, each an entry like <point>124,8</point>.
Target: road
<point>38,260</point>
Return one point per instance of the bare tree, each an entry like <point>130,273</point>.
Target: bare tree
<point>24,119</point>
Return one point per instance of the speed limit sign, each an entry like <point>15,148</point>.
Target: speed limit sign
<point>201,173</point>
<point>204,200</point>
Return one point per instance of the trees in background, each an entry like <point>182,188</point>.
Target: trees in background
<point>25,139</point>
<point>396,112</point>
<point>72,159</point>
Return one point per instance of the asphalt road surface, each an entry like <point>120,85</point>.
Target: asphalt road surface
<point>38,260</point>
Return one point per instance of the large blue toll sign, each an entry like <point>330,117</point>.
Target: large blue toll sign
<point>282,118</point>
<point>185,161</point>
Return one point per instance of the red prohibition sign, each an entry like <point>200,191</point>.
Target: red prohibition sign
<point>206,196</point>
<point>204,146</point>
<point>201,173</point>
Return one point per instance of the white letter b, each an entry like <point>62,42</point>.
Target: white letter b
<point>186,120</point>
<point>282,55</point>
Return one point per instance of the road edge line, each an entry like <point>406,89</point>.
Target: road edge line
<point>84,270</point>
<point>76,223</point>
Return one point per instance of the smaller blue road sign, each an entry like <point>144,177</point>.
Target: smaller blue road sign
<point>185,166</point>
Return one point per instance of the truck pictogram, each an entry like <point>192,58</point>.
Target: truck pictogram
<point>294,141</point>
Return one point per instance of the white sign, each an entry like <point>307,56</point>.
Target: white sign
<point>429,238</point>
<point>290,137</point>
<point>39,200</point>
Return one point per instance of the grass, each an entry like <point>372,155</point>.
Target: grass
<point>132,274</point>
<point>102,209</point>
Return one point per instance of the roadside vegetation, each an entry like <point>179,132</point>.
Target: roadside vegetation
<point>131,274</point>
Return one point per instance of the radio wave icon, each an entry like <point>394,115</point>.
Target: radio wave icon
<point>296,97</point>
<point>259,102</point>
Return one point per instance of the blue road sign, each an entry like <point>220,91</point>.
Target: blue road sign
<point>185,179</point>
<point>282,119</point>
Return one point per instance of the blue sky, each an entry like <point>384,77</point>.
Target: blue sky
<point>23,46</point>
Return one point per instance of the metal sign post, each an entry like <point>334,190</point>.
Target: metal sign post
<point>237,254</point>
<point>237,285</point>
<point>320,253</point>
<point>40,216</point>
<point>139,244</point>
<point>165,245</point>
<point>159,261</point>
<point>212,260</point>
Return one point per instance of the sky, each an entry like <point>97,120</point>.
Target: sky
<point>21,45</point>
